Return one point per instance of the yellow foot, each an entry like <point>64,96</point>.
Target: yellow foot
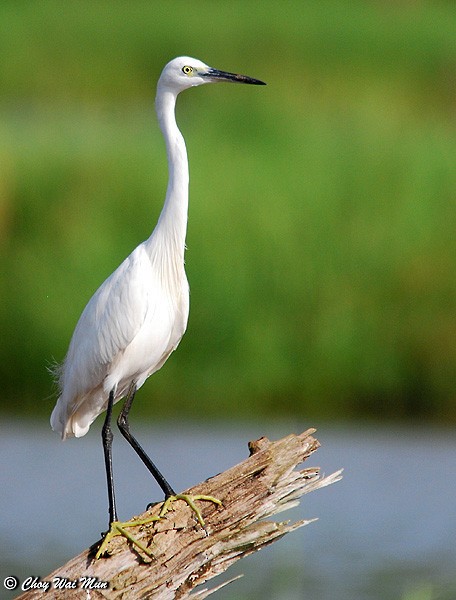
<point>118,528</point>
<point>190,500</point>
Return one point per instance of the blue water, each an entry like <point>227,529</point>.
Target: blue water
<point>386,531</point>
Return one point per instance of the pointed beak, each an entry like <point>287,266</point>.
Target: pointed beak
<point>216,75</point>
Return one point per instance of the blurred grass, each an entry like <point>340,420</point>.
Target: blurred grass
<point>321,242</point>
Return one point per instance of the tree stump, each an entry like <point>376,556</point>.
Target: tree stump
<point>184,554</point>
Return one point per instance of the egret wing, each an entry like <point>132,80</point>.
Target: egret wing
<point>108,324</point>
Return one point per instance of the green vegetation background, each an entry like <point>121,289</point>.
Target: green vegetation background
<point>322,232</point>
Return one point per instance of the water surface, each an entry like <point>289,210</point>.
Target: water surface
<point>386,531</point>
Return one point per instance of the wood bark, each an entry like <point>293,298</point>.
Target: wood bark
<point>184,554</point>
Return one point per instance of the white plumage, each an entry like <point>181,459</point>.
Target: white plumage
<point>138,316</point>
<point>126,332</point>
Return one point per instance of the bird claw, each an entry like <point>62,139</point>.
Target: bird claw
<point>190,500</point>
<point>119,528</point>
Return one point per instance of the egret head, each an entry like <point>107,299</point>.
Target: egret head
<point>185,72</point>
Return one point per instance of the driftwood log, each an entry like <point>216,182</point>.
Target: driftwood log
<point>185,554</point>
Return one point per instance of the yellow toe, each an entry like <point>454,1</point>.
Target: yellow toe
<point>119,528</point>
<point>190,500</point>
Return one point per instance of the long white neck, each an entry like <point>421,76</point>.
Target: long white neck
<point>169,233</point>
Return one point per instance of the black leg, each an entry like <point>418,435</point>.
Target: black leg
<point>106,435</point>
<point>124,427</point>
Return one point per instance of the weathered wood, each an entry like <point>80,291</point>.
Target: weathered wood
<point>185,555</point>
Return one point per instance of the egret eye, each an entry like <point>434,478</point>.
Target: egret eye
<point>187,70</point>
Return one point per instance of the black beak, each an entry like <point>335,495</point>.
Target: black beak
<point>216,75</point>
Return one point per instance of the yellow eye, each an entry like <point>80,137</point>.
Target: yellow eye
<point>187,70</point>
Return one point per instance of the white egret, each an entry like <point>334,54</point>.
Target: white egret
<point>137,317</point>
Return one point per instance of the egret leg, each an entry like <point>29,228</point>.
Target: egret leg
<point>170,494</point>
<point>124,427</point>
<point>115,526</point>
<point>107,437</point>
